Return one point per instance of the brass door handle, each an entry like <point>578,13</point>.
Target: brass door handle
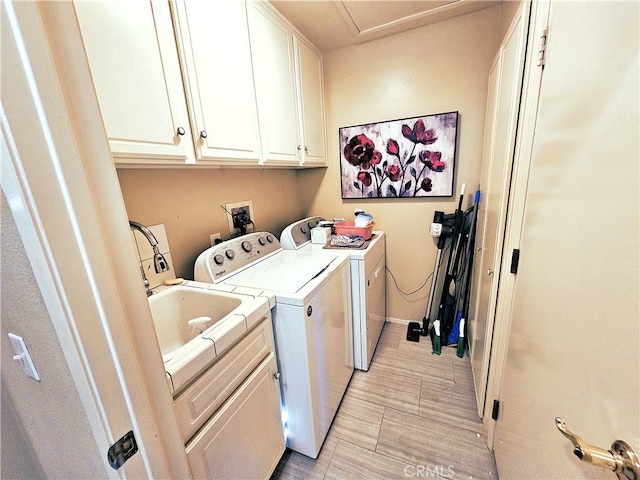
<point>620,459</point>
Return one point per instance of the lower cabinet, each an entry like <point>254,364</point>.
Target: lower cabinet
<point>244,439</point>
<point>230,416</point>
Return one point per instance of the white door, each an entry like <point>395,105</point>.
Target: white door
<point>573,348</point>
<point>275,79</point>
<point>505,79</point>
<point>132,54</point>
<point>216,59</point>
<point>63,191</point>
<point>311,104</point>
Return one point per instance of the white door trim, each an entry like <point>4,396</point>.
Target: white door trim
<point>515,218</point>
<point>63,191</point>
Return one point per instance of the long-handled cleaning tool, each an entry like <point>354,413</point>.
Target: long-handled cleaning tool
<point>442,228</point>
<point>461,282</point>
<point>439,229</point>
<point>464,312</point>
<point>446,310</point>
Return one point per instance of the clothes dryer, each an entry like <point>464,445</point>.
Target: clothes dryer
<point>368,283</point>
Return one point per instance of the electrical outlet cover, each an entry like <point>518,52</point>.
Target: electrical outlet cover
<point>215,236</point>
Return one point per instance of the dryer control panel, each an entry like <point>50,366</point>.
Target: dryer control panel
<point>219,261</point>
<point>298,234</point>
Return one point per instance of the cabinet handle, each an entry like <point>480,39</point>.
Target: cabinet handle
<point>276,375</point>
<point>299,147</point>
<point>306,149</point>
<point>181,131</point>
<point>203,134</point>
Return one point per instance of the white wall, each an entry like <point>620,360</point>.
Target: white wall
<point>188,203</point>
<point>48,421</point>
<point>438,68</point>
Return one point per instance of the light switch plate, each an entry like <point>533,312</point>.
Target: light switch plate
<point>22,356</point>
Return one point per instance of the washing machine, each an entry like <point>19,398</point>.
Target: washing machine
<point>312,323</point>
<point>368,285</point>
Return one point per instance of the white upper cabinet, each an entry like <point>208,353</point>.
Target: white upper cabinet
<point>274,71</point>
<point>204,82</point>
<point>288,82</point>
<point>311,95</point>
<point>214,48</point>
<point>134,63</point>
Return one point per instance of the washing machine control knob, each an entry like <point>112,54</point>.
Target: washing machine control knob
<point>262,241</point>
<point>269,239</point>
<point>246,246</point>
<point>218,259</point>
<point>230,254</point>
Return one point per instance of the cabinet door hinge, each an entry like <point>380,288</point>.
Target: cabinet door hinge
<point>495,410</point>
<point>542,50</point>
<point>515,260</point>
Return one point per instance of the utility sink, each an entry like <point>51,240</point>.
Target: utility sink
<point>195,323</point>
<point>182,313</point>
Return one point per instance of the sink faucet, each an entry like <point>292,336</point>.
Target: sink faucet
<point>160,263</point>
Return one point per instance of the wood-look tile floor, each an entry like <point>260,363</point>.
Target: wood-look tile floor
<point>412,415</point>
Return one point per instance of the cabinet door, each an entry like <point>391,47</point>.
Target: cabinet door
<point>133,59</point>
<point>311,95</point>
<point>274,70</point>
<point>244,439</point>
<point>214,48</point>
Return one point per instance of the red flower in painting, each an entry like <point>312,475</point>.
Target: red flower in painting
<point>419,134</point>
<point>365,178</point>
<point>361,152</point>
<point>392,147</point>
<point>432,160</point>
<point>394,173</point>
<point>375,159</point>
<point>426,184</point>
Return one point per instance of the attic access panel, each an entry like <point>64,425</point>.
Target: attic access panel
<point>405,158</point>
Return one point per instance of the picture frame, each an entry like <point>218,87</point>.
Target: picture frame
<point>406,158</point>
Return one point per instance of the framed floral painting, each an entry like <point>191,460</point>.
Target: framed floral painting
<point>406,158</point>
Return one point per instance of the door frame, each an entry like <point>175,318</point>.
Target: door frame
<point>62,189</point>
<point>517,193</point>
<point>498,159</point>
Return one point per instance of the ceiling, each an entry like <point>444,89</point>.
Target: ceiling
<point>332,24</point>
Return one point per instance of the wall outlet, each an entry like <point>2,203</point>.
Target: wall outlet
<point>215,238</point>
<point>240,217</point>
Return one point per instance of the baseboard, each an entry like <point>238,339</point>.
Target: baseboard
<point>398,320</point>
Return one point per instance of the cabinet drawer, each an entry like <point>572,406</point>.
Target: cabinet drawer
<point>196,404</point>
<point>244,439</point>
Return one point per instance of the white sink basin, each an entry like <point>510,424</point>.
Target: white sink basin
<point>218,320</point>
<point>172,309</point>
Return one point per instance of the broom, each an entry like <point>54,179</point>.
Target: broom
<point>467,289</point>
<point>446,299</point>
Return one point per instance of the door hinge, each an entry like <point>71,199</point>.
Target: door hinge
<point>122,450</point>
<point>515,260</point>
<point>495,410</point>
<point>542,50</point>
